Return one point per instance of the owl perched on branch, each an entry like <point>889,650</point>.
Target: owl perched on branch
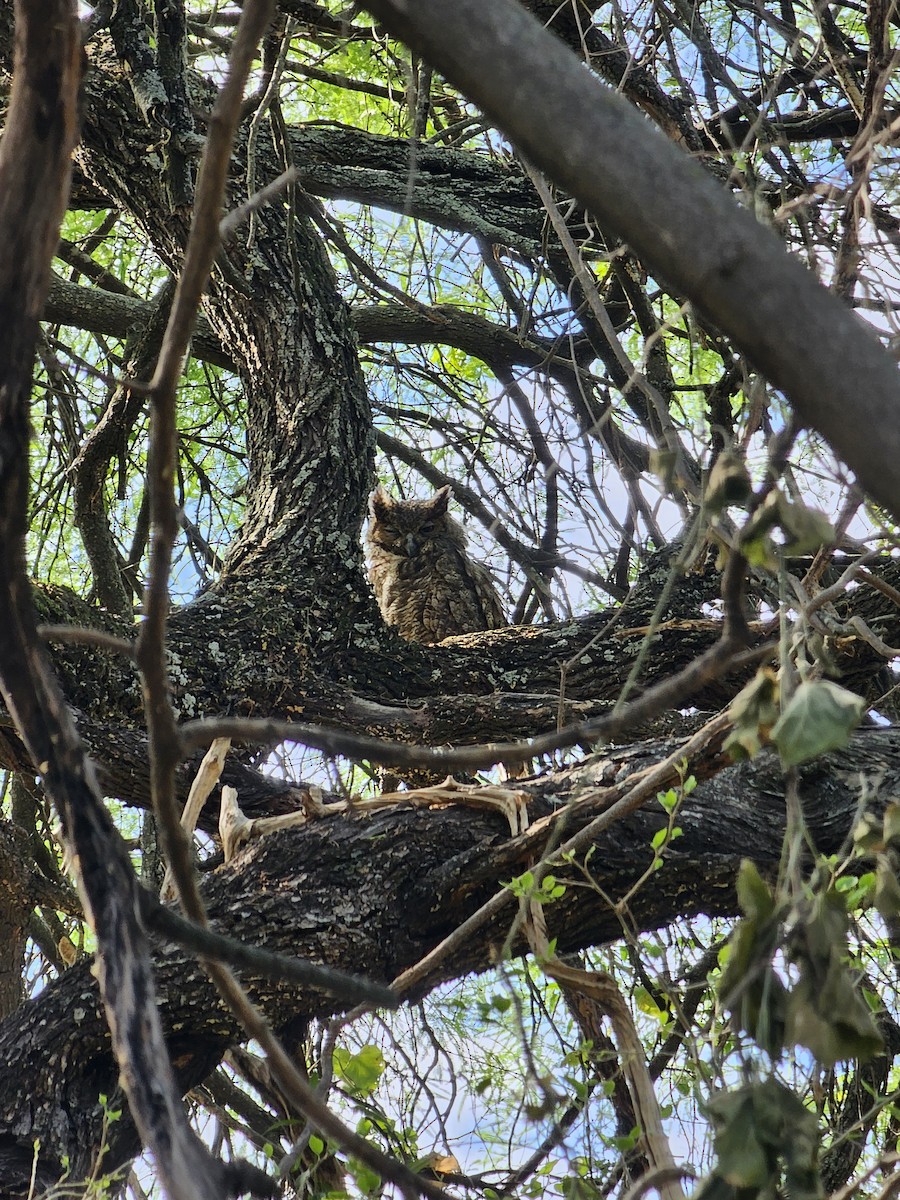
<point>426,585</point>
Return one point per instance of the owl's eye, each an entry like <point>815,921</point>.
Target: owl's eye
<point>428,528</point>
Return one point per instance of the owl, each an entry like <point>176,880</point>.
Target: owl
<point>426,585</point>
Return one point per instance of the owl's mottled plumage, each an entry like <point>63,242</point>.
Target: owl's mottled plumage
<point>425,583</point>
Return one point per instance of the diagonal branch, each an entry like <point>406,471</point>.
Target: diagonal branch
<point>591,142</point>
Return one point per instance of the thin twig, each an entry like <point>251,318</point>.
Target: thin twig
<point>165,744</point>
<point>633,376</point>
<point>231,223</point>
<point>643,788</point>
<point>602,988</point>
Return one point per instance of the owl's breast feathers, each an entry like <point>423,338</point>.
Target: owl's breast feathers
<point>434,592</point>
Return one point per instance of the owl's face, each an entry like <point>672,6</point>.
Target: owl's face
<point>410,528</point>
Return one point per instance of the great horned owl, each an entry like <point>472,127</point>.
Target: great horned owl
<point>425,583</point>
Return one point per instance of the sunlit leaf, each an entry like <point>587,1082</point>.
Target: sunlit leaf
<point>362,1071</point>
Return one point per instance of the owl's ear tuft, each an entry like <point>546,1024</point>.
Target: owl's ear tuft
<point>440,501</point>
<point>379,502</point>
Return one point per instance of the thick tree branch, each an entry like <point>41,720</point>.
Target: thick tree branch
<point>374,894</point>
<point>689,230</point>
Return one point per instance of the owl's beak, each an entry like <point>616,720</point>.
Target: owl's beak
<point>412,545</point>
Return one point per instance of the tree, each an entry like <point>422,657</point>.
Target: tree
<point>644,408</point>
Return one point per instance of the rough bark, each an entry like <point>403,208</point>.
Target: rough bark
<point>238,653</point>
<point>35,158</point>
<point>373,894</point>
<point>291,629</point>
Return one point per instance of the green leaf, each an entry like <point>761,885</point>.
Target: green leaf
<point>367,1180</point>
<point>826,1012</point>
<point>887,889</point>
<point>628,1141</point>
<point>756,542</point>
<point>857,892</point>
<point>868,833</point>
<point>753,993</point>
<point>892,824</point>
<point>760,551</point>
<point>523,885</point>
<point>573,1187</point>
<point>360,1072</point>
<point>743,1160</point>
<point>805,529</point>
<point>757,1128</point>
<point>668,799</point>
<point>820,716</point>
<point>647,1004</point>
<point>749,987</point>
<point>551,889</point>
<point>663,464</point>
<point>832,1034</point>
<point>752,713</point>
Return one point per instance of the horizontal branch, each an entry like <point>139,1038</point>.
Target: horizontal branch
<point>340,890</point>
<point>493,687</point>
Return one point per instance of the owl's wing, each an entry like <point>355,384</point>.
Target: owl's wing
<point>487,595</point>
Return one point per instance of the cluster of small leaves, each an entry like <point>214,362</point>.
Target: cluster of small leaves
<point>670,800</point>
<point>766,1144</point>
<point>101,1185</point>
<point>819,716</point>
<point>526,887</point>
<point>882,839</point>
<point>728,484</point>
<point>817,1003</point>
<point>361,1072</point>
<point>787,982</point>
<point>804,530</point>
